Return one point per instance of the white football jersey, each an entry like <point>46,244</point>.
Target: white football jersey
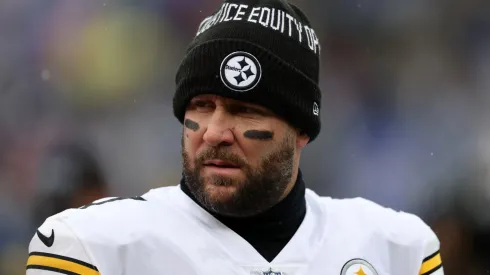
<point>165,232</point>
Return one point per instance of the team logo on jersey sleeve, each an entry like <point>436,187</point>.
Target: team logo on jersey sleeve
<point>240,71</point>
<point>358,267</point>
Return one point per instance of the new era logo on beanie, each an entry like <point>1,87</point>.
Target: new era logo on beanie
<point>260,51</point>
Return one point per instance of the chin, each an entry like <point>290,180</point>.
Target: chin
<point>222,177</point>
<point>220,194</point>
<point>221,188</point>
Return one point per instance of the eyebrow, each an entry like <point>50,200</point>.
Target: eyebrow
<point>235,102</point>
<point>230,102</point>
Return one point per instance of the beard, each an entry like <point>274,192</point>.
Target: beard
<point>262,188</point>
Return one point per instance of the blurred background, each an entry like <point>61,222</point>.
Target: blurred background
<point>85,110</point>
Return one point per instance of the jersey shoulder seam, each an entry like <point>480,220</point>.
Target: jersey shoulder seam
<point>87,252</point>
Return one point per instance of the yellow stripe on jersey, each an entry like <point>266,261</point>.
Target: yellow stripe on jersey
<point>431,264</point>
<point>60,264</point>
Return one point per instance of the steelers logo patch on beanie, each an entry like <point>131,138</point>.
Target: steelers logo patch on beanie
<point>240,71</point>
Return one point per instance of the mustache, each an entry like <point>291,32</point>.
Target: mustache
<point>219,153</point>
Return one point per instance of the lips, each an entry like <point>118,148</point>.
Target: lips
<point>221,163</point>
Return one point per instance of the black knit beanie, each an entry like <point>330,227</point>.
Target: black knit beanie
<point>258,51</point>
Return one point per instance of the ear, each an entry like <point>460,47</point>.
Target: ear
<point>302,139</point>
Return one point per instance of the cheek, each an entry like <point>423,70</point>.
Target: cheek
<point>192,137</point>
<point>259,141</point>
<point>190,141</point>
<point>253,149</point>
<point>189,153</point>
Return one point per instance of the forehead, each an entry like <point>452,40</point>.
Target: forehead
<point>227,101</point>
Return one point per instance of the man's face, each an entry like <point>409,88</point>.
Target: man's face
<point>239,158</point>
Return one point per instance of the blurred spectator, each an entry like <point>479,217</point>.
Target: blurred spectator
<point>71,178</point>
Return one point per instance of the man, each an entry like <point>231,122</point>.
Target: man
<point>248,97</point>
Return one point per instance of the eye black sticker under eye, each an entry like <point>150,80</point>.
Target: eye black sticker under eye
<point>194,126</point>
<point>259,135</point>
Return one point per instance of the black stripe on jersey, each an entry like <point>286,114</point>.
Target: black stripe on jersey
<point>111,200</point>
<point>430,256</point>
<point>433,270</point>
<point>42,267</point>
<point>64,258</point>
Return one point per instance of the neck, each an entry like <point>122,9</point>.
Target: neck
<point>269,231</point>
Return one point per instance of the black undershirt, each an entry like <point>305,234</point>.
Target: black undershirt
<point>268,232</point>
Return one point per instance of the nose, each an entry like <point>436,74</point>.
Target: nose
<point>219,130</point>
